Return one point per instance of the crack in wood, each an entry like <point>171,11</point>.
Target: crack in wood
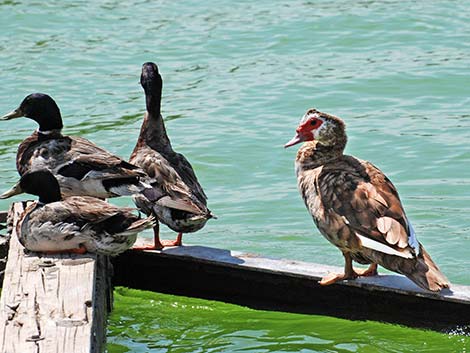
<point>13,311</point>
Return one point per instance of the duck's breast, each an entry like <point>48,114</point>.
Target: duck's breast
<point>330,224</point>
<point>307,182</point>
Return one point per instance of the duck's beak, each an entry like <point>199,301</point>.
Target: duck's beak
<point>295,140</point>
<point>15,190</point>
<point>17,113</point>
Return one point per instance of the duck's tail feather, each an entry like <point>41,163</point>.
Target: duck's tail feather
<point>141,224</point>
<point>426,274</point>
<point>211,215</point>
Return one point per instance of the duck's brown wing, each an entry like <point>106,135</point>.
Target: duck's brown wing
<point>73,156</point>
<point>369,205</point>
<point>105,166</point>
<point>186,171</point>
<point>92,213</point>
<point>177,193</point>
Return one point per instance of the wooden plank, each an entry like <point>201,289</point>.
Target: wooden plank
<point>53,303</point>
<point>287,285</point>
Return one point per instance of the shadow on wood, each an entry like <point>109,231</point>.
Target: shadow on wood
<point>291,286</point>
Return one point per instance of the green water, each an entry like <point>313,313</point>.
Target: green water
<point>237,78</point>
<point>166,323</point>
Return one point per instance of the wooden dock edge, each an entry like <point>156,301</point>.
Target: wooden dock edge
<point>291,286</point>
<point>264,283</point>
<point>53,303</point>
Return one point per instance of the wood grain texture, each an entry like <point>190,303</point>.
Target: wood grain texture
<point>53,303</point>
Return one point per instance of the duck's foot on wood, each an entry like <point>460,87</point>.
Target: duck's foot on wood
<point>157,243</point>
<point>158,246</point>
<point>177,242</point>
<point>350,273</point>
<point>335,277</point>
<point>367,272</point>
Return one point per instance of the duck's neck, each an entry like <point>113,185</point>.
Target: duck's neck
<point>48,119</point>
<point>153,132</point>
<point>51,196</point>
<point>48,134</point>
<point>314,154</point>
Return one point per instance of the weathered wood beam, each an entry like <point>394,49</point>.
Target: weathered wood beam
<point>292,286</point>
<point>53,303</point>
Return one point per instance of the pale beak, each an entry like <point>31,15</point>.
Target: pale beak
<point>295,140</point>
<point>15,190</point>
<point>17,113</point>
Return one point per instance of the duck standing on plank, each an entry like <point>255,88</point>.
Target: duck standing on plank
<point>184,207</point>
<point>81,167</point>
<point>76,224</point>
<point>356,207</point>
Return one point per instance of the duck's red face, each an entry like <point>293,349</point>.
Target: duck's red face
<point>307,128</point>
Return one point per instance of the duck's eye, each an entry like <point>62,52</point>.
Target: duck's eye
<point>315,123</point>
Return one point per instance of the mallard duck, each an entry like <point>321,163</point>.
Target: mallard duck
<point>184,207</point>
<point>356,207</point>
<point>74,224</point>
<point>81,167</point>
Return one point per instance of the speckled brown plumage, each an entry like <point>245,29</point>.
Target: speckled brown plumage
<point>352,202</point>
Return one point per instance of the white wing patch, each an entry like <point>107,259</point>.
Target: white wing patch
<point>375,245</point>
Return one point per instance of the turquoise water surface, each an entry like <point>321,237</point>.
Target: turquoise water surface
<point>237,78</point>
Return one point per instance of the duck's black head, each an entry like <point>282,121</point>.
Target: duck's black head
<point>152,83</point>
<point>40,183</point>
<point>41,108</point>
<point>150,79</point>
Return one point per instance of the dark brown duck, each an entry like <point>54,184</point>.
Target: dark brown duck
<point>183,208</point>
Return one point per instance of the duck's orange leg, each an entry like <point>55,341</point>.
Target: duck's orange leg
<point>368,272</point>
<point>335,277</point>
<point>157,244</point>
<point>177,242</point>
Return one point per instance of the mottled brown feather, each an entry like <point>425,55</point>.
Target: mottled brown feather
<point>347,196</point>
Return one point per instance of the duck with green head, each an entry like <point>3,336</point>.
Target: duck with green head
<point>81,167</point>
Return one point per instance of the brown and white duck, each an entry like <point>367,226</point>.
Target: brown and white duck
<point>75,224</point>
<point>356,207</point>
<point>183,208</point>
<point>81,167</point>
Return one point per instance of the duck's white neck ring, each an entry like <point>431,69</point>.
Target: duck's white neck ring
<point>48,132</point>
